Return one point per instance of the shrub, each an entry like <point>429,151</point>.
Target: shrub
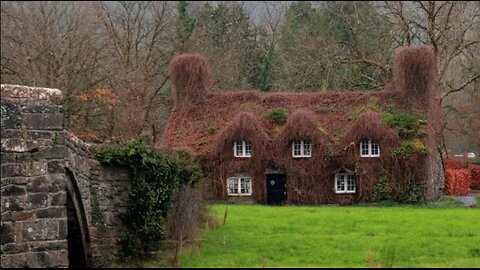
<point>407,148</point>
<point>383,190</point>
<point>475,171</point>
<point>392,186</point>
<point>404,123</point>
<point>457,181</point>
<point>278,115</point>
<point>412,193</point>
<point>155,179</point>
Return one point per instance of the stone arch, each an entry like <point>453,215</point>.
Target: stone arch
<point>78,236</point>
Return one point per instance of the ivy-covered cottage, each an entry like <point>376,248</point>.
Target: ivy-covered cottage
<point>313,148</point>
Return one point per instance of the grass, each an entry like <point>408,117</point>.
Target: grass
<point>328,236</point>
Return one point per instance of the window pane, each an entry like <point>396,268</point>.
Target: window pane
<point>245,186</point>
<point>297,148</point>
<point>233,186</point>
<point>364,147</point>
<point>375,149</point>
<point>238,148</point>
<point>340,182</point>
<point>350,182</point>
<point>248,149</point>
<point>307,148</point>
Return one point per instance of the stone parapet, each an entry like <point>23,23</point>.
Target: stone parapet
<point>33,183</point>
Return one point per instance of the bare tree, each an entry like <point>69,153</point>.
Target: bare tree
<point>50,44</point>
<point>139,40</point>
<point>451,28</point>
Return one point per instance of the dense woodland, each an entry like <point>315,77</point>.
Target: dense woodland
<point>111,58</point>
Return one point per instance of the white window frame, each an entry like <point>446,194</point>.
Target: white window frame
<point>345,177</point>
<point>237,182</point>
<point>370,144</point>
<point>302,148</point>
<point>243,153</point>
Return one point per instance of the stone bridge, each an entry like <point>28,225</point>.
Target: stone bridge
<point>60,207</point>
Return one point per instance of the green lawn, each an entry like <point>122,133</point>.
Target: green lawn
<point>399,236</point>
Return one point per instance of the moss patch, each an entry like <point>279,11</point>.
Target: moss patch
<point>406,124</point>
<point>277,115</point>
<point>407,148</point>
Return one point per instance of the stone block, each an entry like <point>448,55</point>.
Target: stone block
<point>31,108</point>
<point>52,212</point>
<point>6,216</point>
<point>56,166</point>
<point>13,190</point>
<point>40,230</point>
<point>109,218</point>
<point>13,169</point>
<point>38,200</point>
<point>57,258</point>
<point>7,158</point>
<point>22,215</point>
<point>35,168</point>
<point>14,203</point>
<point>14,248</point>
<point>13,260</point>
<point>32,94</point>
<point>39,184</point>
<point>20,145</point>
<point>62,257</point>
<point>62,229</point>
<point>41,135</point>
<point>48,246</point>
<point>7,233</point>
<point>58,199</point>
<point>37,260</point>
<point>10,115</point>
<point>37,121</point>
<point>11,133</point>
<point>59,182</point>
<point>14,181</point>
<point>51,152</point>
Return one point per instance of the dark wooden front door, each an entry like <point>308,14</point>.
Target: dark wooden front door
<point>276,188</point>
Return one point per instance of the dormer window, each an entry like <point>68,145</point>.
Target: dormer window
<point>369,148</point>
<point>301,148</point>
<point>242,149</point>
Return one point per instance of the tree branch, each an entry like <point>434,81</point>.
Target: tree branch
<point>460,88</point>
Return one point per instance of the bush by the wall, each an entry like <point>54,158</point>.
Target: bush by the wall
<point>392,186</point>
<point>475,171</point>
<point>457,181</point>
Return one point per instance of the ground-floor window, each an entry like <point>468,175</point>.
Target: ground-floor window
<point>344,183</point>
<point>239,186</point>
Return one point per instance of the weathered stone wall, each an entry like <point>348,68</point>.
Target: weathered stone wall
<point>104,191</point>
<point>110,188</point>
<point>33,184</point>
<point>40,164</point>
